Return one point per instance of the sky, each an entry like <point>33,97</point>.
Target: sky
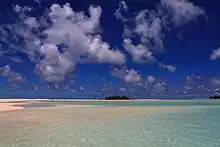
<point>96,48</point>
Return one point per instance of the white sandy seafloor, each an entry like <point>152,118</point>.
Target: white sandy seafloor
<point>91,126</point>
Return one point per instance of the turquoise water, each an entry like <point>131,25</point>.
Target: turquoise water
<point>191,127</point>
<point>143,103</point>
<point>195,127</point>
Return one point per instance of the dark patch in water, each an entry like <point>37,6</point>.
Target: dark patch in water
<point>36,105</point>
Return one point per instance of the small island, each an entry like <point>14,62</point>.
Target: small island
<point>214,97</point>
<point>118,98</point>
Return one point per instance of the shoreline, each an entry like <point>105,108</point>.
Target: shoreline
<point>78,114</point>
<point>12,104</point>
<point>4,107</point>
<point>19,104</point>
<point>100,100</point>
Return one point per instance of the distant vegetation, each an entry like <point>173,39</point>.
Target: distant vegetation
<point>118,98</point>
<point>214,97</point>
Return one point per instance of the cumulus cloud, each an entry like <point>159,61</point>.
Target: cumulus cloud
<point>160,88</point>
<point>130,76</point>
<point>19,9</point>
<point>15,59</point>
<point>197,86</point>
<point>169,67</point>
<point>122,7</point>
<point>215,81</point>
<point>148,83</point>
<point>215,54</point>
<point>61,38</point>
<point>122,90</point>
<point>17,78</point>
<point>6,71</point>
<point>12,86</point>
<point>148,27</point>
<point>140,53</point>
<point>180,12</point>
<point>151,79</point>
<point>11,76</point>
<point>81,88</point>
<point>37,1</point>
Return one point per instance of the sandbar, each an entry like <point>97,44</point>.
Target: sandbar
<point>9,104</point>
<point>73,113</point>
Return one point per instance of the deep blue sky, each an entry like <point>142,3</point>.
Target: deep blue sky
<point>188,48</point>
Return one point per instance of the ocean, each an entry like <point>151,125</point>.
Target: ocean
<point>197,125</point>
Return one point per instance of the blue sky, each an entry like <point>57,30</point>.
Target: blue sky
<point>94,48</point>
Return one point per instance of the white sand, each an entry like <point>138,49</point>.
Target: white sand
<point>9,107</point>
<point>18,100</point>
<point>12,100</point>
<point>10,104</point>
<point>77,112</point>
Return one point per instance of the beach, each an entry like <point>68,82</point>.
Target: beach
<point>36,110</point>
<point>8,104</point>
<point>39,123</point>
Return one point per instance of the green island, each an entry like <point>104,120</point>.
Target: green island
<point>118,98</point>
<point>214,97</point>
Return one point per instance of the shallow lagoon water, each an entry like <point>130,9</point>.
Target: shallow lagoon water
<point>196,126</point>
<point>140,103</point>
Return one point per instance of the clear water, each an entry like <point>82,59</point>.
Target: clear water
<point>143,103</point>
<point>191,127</point>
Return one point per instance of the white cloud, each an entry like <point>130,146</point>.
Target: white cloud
<point>201,86</point>
<point>17,78</point>
<point>81,40</point>
<point>187,88</point>
<point>181,11</point>
<point>140,53</point>
<point>151,79</point>
<point>195,85</point>
<point>169,67</point>
<point>19,9</point>
<point>215,81</point>
<point>6,71</point>
<point>215,54</point>
<point>159,88</point>
<point>149,28</point>
<point>122,7</point>
<point>31,22</point>
<point>37,1</point>
<point>130,76</point>
<point>15,59</point>
<point>54,69</point>
<point>77,31</point>
<point>11,76</point>
<point>122,90</point>
<point>104,54</point>
<point>81,89</point>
